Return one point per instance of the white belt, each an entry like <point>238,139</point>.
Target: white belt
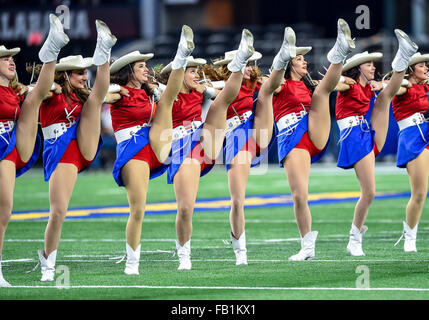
<point>182,131</point>
<point>127,133</point>
<point>56,130</point>
<point>235,121</point>
<point>413,120</point>
<point>290,119</point>
<point>350,122</point>
<point>6,126</point>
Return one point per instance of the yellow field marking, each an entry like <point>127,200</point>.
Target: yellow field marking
<point>211,204</point>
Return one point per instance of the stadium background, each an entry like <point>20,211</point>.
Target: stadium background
<point>154,26</point>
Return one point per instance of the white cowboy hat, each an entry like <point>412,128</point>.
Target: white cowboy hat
<point>129,58</point>
<point>303,50</point>
<point>73,63</point>
<point>191,62</point>
<point>417,58</point>
<point>229,55</point>
<point>8,52</point>
<point>361,58</point>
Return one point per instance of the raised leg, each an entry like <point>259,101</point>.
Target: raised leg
<point>27,123</point>
<point>213,133</point>
<point>88,132</point>
<point>160,134</point>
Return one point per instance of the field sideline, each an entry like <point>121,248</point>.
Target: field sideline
<point>89,244</point>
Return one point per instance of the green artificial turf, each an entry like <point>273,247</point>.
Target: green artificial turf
<point>272,236</point>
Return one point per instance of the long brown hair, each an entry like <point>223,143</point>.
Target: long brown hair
<point>353,73</point>
<point>306,79</point>
<point>61,79</point>
<point>219,73</point>
<point>125,74</point>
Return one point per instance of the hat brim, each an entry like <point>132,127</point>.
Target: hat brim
<point>303,50</point>
<point>87,62</point>
<point>129,58</point>
<point>9,52</point>
<point>255,56</point>
<point>192,63</point>
<point>418,59</point>
<point>363,59</point>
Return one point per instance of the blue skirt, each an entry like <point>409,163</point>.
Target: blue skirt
<point>286,142</point>
<point>127,149</point>
<point>7,148</point>
<point>237,139</point>
<point>180,150</point>
<point>53,150</point>
<point>411,143</point>
<point>356,146</point>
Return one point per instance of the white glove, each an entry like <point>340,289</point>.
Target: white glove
<point>161,87</point>
<point>218,84</point>
<point>156,94</point>
<point>114,88</point>
<point>210,92</point>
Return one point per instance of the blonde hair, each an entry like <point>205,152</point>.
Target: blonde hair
<point>156,74</point>
<point>14,83</point>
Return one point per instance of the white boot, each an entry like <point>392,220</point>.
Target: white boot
<point>344,44</point>
<point>105,42</point>
<point>243,54</point>
<point>133,260</point>
<point>308,244</point>
<point>47,265</point>
<point>184,254</point>
<point>354,247</point>
<point>406,49</point>
<point>287,50</point>
<point>410,237</point>
<point>240,250</point>
<point>3,282</point>
<point>185,48</point>
<point>54,42</point>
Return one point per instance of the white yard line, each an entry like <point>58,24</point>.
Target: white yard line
<point>111,260</point>
<point>222,288</point>
<point>334,237</point>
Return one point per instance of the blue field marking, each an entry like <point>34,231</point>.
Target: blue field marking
<point>204,205</point>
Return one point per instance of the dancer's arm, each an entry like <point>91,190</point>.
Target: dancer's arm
<point>402,91</point>
<point>376,85</point>
<point>113,95</point>
<point>342,87</point>
<point>207,91</point>
<point>277,91</point>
